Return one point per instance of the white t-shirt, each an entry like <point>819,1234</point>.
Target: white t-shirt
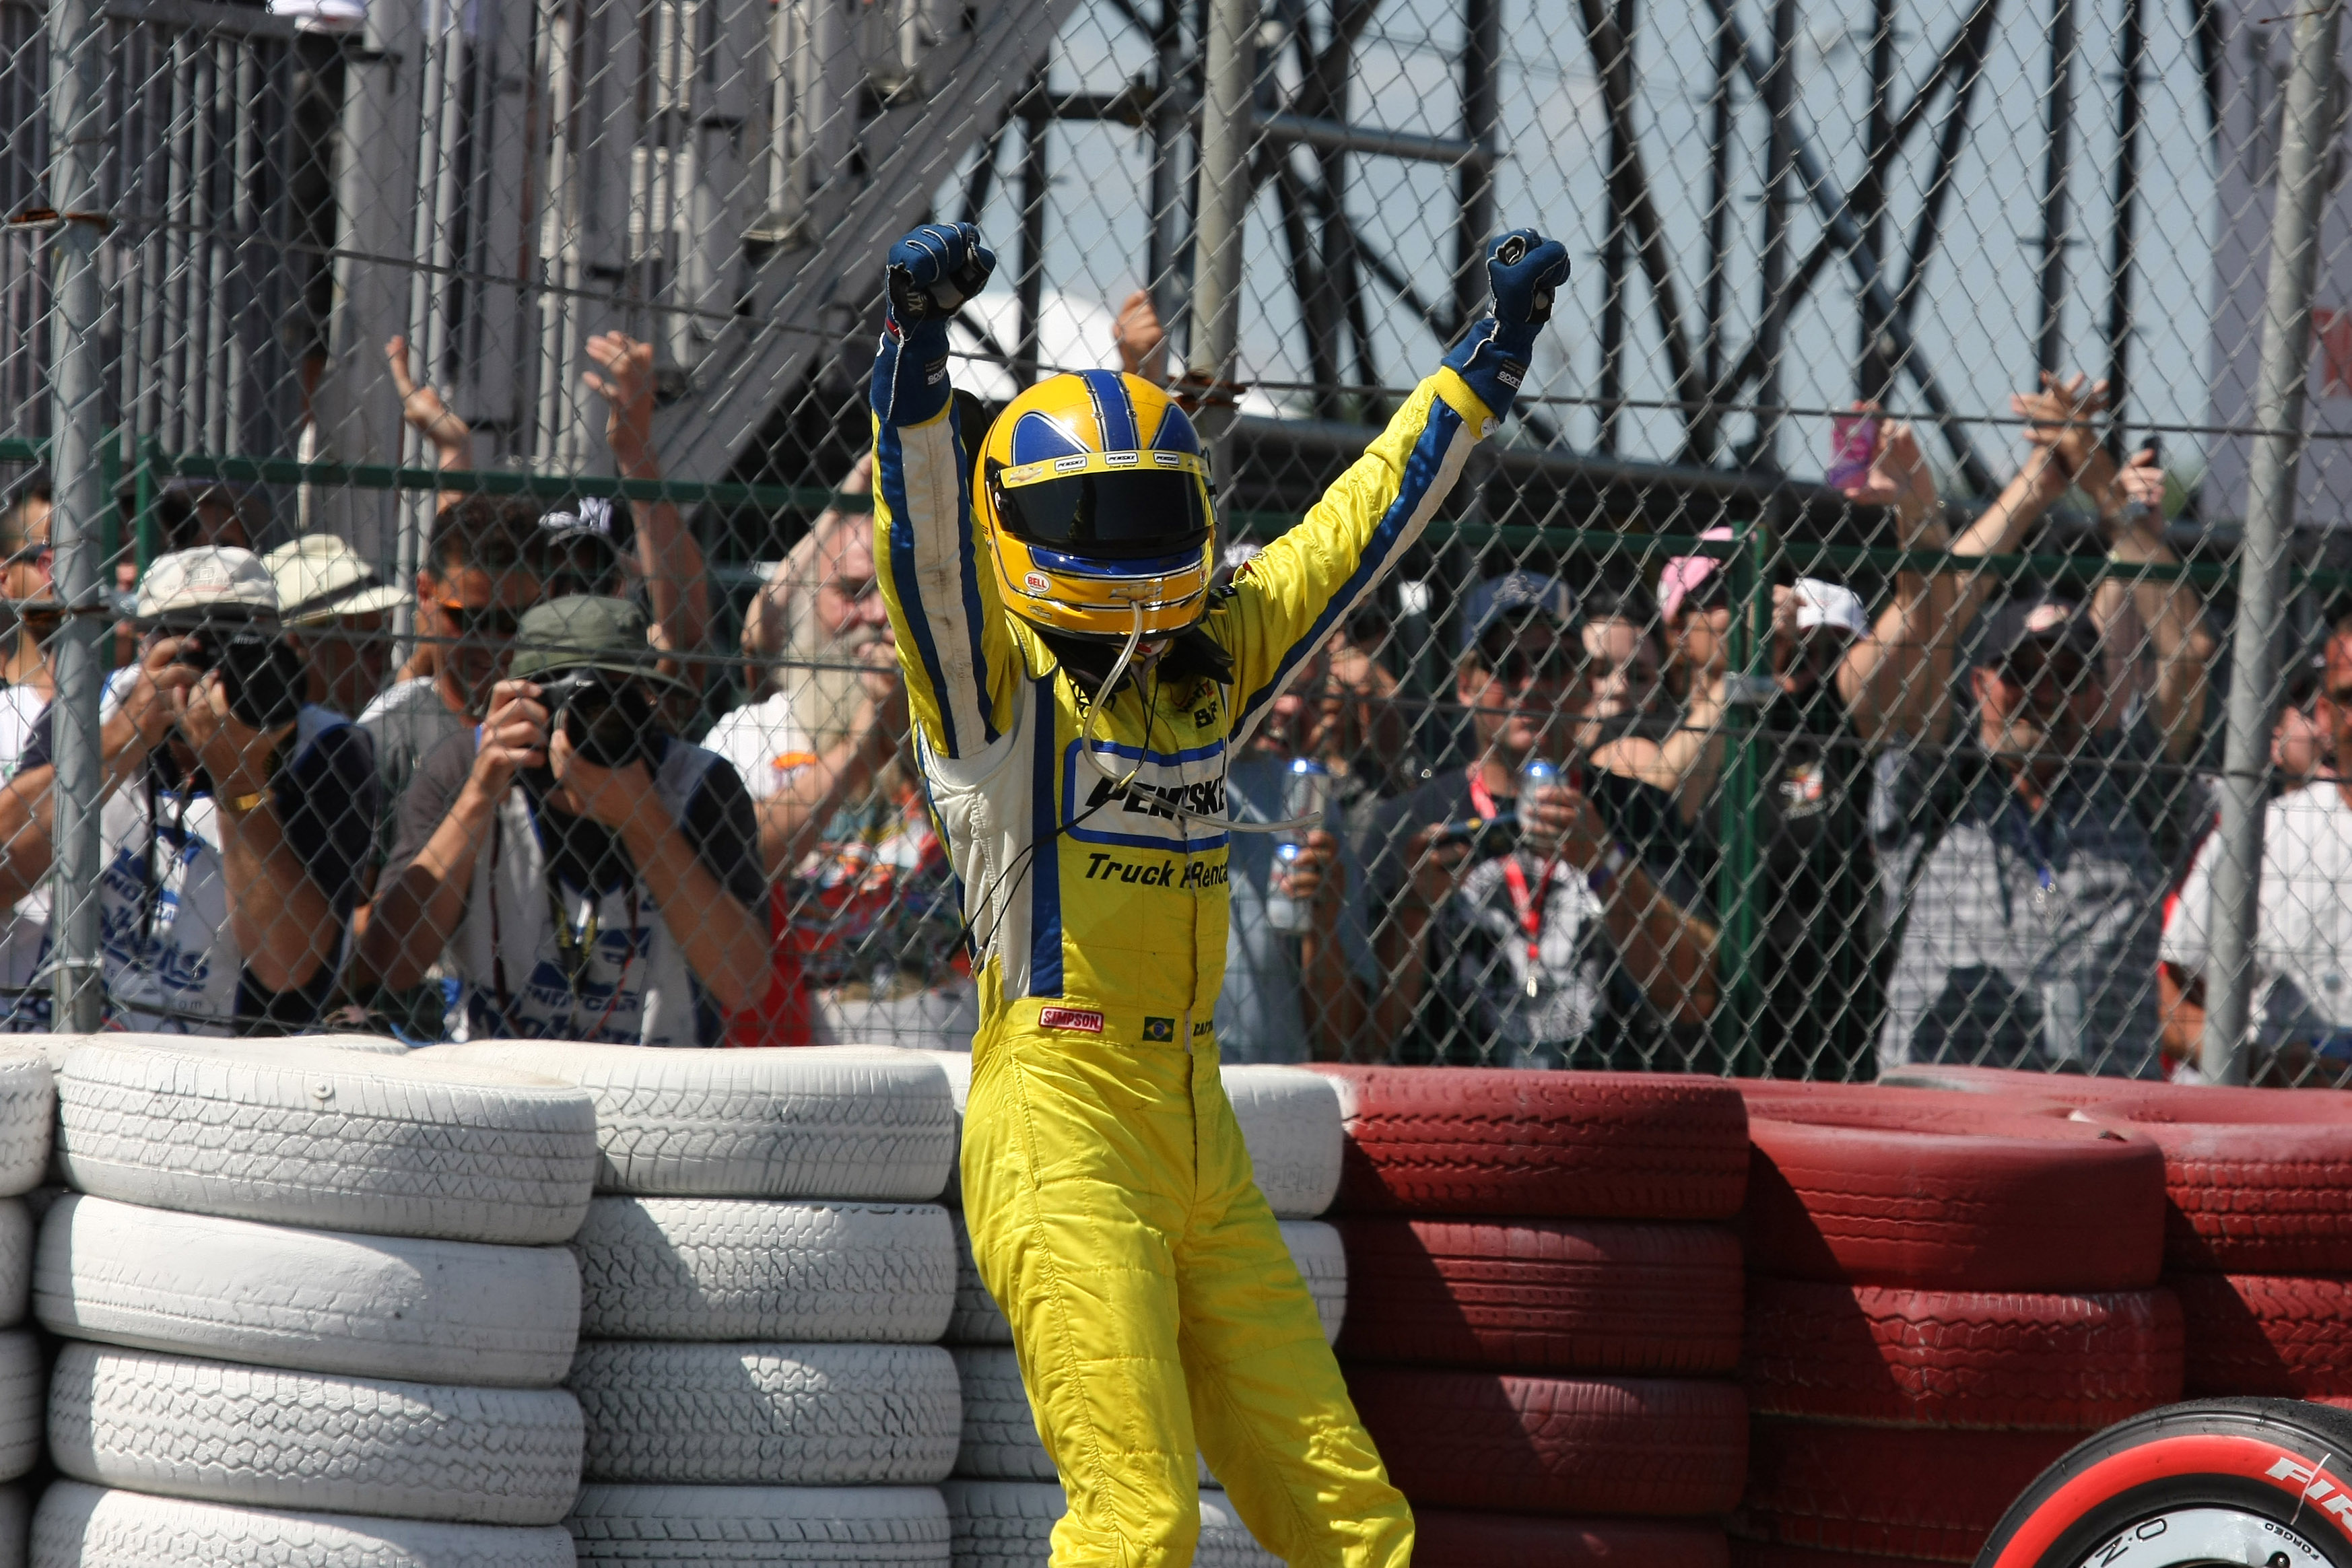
<point>2303,925</point>
<point>765,744</point>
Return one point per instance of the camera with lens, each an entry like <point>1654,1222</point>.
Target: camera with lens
<point>607,717</point>
<point>262,674</point>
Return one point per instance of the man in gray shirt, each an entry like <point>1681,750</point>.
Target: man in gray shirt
<point>2024,874</point>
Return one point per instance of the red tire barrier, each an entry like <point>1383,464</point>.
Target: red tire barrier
<point>1445,1539</point>
<point>2260,1179</point>
<point>1924,1494</point>
<point>2209,1480</point>
<point>1952,1191</point>
<point>2065,1088</point>
<point>1766,1554</point>
<point>1544,1295</point>
<point>1568,1146</point>
<point>2271,1334</point>
<point>1950,1358</point>
<point>1636,1447</point>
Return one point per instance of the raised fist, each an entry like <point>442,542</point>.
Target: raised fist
<point>1523,268</point>
<point>934,269</point>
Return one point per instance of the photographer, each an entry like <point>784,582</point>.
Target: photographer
<point>236,817</point>
<point>586,875</point>
<point>1525,932</point>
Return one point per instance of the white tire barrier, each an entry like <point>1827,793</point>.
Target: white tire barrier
<point>293,1134</point>
<point>259,1438</point>
<point>23,1382</point>
<point>1010,1524</point>
<point>311,1300</point>
<point>665,1527</point>
<point>999,1438</point>
<point>29,1102</point>
<point>841,1122</point>
<point>754,1269</point>
<point>15,1260</point>
<point>81,1526</point>
<point>767,1415</point>
<point>1289,1118</point>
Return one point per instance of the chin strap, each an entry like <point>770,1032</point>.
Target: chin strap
<point>1119,782</point>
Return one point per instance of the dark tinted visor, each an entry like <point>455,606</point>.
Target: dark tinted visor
<point>1114,516</point>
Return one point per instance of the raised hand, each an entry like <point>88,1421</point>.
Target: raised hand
<point>934,269</point>
<point>1524,269</point>
<point>626,385</point>
<point>421,407</point>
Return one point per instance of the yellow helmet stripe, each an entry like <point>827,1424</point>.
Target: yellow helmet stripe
<point>1103,463</point>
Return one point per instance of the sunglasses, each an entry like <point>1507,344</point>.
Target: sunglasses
<point>43,556</point>
<point>1556,665</point>
<point>490,621</point>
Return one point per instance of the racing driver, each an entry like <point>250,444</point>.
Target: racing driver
<point>1076,693</point>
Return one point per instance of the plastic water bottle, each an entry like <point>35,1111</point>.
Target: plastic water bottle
<point>1536,773</point>
<point>1306,792</point>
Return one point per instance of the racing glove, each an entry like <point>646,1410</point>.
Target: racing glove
<point>932,270</point>
<point>1524,270</point>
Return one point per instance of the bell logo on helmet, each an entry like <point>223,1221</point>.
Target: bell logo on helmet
<point>1036,582</point>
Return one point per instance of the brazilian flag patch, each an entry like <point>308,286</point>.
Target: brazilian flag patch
<point>1159,1028</point>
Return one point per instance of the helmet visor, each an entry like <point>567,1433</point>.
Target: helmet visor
<point>1114,516</point>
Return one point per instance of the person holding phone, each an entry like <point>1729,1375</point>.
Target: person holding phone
<point>235,822</point>
<point>1518,929</point>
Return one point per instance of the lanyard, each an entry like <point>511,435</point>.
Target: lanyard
<point>1526,901</point>
<point>572,947</point>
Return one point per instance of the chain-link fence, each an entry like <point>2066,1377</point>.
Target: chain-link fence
<point>1881,666</point>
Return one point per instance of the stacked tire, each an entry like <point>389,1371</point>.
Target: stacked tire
<point>26,1106</point>
<point>318,1308</point>
<point>2257,1222</point>
<point>1945,1295</point>
<point>1006,1498</point>
<point>763,1275</point>
<point>1543,1318</point>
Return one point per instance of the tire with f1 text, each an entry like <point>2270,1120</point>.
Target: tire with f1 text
<point>2259,1482</point>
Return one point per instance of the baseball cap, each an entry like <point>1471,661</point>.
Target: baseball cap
<point>1685,574</point>
<point>318,578</point>
<point>1822,605</point>
<point>585,631</point>
<point>2048,623</point>
<point>206,581</point>
<point>1514,593</point>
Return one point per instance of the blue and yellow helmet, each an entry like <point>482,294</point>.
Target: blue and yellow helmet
<point>1092,496</point>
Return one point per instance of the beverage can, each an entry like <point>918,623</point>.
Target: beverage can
<point>1307,790</point>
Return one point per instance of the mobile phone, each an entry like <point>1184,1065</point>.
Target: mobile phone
<point>1853,447</point>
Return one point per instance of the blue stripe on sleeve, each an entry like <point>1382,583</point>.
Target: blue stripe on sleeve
<point>1420,471</point>
<point>890,466</point>
<point>1046,857</point>
<point>968,574</point>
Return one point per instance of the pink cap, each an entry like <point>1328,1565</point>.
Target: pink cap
<point>1684,574</point>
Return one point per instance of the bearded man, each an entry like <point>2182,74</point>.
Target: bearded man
<point>862,910</point>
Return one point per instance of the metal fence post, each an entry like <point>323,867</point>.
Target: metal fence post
<point>1749,573</point>
<point>1223,203</point>
<point>77,528</point>
<point>2270,522</point>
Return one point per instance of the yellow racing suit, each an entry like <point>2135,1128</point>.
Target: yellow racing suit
<point>1112,1206</point>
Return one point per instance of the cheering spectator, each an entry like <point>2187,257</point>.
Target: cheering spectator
<point>867,929</point>
<point>2303,922</point>
<point>585,874</point>
<point>667,558</point>
<point>2024,873</point>
<point>1626,678</point>
<point>235,818</point>
<point>342,615</point>
<point>1522,932</point>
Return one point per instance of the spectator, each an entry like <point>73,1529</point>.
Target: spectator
<point>481,572</point>
<point>26,680</point>
<point>1626,670</point>
<point>665,559</point>
<point>2303,922</point>
<point>574,899</point>
<point>1295,996</point>
<point>2303,748</point>
<point>2022,874</point>
<point>1558,949</point>
<point>868,933</point>
<point>235,818</point>
<point>342,615</point>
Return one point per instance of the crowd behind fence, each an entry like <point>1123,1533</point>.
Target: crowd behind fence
<point>422,717</point>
